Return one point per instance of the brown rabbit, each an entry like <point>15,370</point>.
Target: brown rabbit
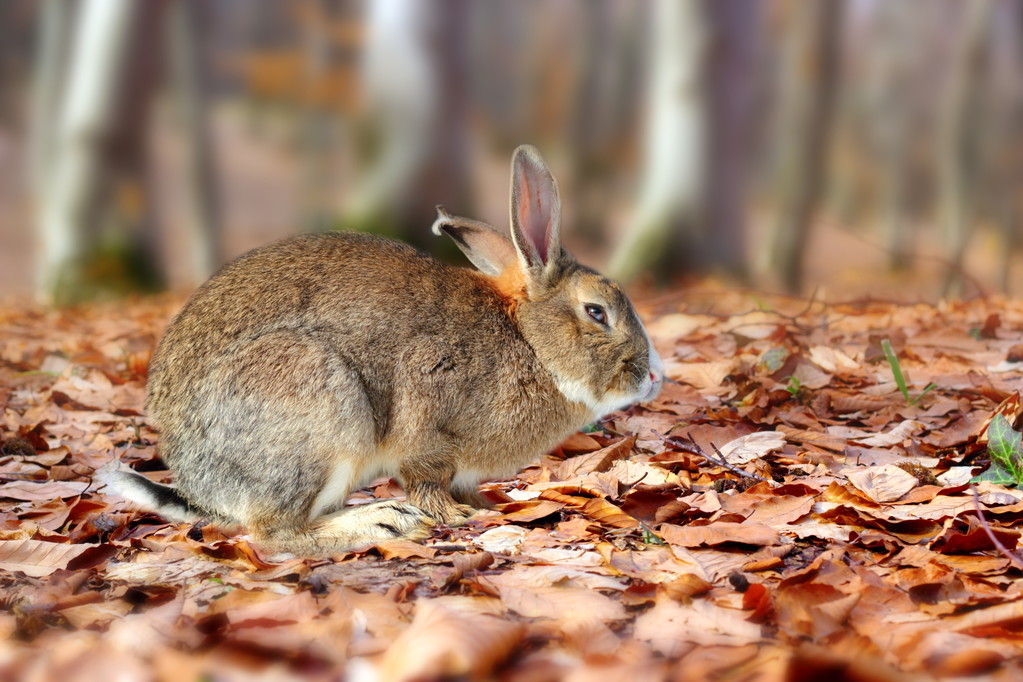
<point>305,369</point>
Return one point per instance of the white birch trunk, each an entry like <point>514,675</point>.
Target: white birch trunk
<point>400,86</point>
<point>97,55</point>
<point>673,152</point>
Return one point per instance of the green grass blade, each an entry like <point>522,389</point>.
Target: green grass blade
<point>893,360</point>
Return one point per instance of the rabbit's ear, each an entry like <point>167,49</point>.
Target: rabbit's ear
<point>488,249</point>
<point>535,211</point>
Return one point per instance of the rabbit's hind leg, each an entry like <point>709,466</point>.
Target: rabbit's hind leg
<point>351,528</point>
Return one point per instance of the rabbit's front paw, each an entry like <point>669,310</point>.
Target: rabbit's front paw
<point>443,508</point>
<point>457,514</point>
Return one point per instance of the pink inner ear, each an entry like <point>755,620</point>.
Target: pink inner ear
<point>534,204</point>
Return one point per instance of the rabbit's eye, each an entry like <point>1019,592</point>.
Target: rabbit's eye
<point>596,313</point>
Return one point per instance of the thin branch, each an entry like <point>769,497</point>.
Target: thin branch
<point>1011,556</point>
<point>692,447</point>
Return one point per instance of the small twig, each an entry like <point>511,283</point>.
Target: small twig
<point>692,447</point>
<point>1011,556</point>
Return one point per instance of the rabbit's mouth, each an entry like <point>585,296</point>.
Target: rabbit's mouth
<point>653,384</point>
<point>655,375</point>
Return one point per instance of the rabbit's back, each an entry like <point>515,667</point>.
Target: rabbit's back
<point>381,305</point>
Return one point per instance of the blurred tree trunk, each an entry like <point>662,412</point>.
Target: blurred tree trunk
<point>1010,180</point>
<point>74,174</point>
<point>604,105</point>
<point>690,215</point>
<point>55,20</point>
<point>318,124</point>
<point>958,138</point>
<point>889,89</point>
<point>414,79</point>
<point>189,23</point>
<point>809,76</point>
<point>722,242</point>
<point>96,221</point>
<point>672,176</point>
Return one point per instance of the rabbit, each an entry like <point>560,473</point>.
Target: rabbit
<point>306,368</point>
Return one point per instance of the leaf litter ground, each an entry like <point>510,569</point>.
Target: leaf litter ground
<point>781,511</point>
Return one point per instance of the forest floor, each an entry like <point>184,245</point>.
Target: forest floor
<point>781,511</point>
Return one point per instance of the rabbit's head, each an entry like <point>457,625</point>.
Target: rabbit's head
<point>581,324</point>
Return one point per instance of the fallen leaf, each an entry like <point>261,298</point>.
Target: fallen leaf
<point>38,558</point>
<point>443,642</point>
<point>501,540</point>
<point>562,603</point>
<point>719,533</point>
<point>752,446</point>
<point>895,436</point>
<point>884,484</point>
<point>31,491</point>
<point>671,628</point>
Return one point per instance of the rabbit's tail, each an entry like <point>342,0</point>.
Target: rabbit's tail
<point>165,500</point>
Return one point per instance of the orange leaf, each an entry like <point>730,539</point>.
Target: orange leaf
<point>603,511</point>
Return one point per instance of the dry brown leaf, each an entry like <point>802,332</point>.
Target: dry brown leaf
<point>701,374</point>
<point>38,558</point>
<point>444,642</point>
<point>895,436</point>
<point>816,438</point>
<point>599,460</point>
<point>678,325</point>
<point>532,577</point>
<point>810,375</point>
<point>884,484</point>
<point>501,540</point>
<point>32,491</point>
<point>562,603</point>
<point>293,608</point>
<point>404,549</point>
<point>528,510</point>
<point>752,446</point>
<point>100,613</point>
<point>719,533</point>
<point>604,512</point>
<point>671,628</point>
<point>629,473</point>
<point>832,360</point>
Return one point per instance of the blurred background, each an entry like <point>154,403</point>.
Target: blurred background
<point>853,147</point>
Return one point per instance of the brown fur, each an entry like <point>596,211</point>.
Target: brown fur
<point>308,367</point>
